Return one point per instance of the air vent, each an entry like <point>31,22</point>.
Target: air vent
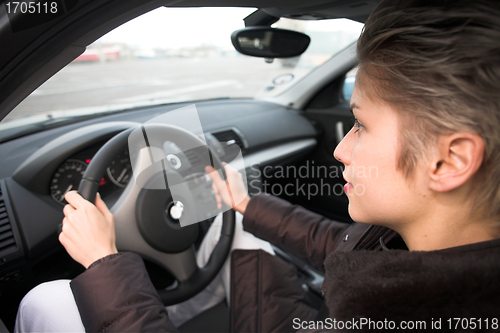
<point>229,136</point>
<point>195,160</point>
<point>7,241</point>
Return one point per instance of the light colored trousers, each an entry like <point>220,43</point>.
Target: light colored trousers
<point>51,307</point>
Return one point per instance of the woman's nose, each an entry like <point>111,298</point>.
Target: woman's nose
<point>343,151</point>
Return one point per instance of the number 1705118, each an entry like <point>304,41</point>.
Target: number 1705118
<point>473,323</point>
<point>14,7</point>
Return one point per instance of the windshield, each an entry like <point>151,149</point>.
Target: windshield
<point>175,55</point>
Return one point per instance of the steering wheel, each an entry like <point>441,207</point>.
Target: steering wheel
<point>142,221</point>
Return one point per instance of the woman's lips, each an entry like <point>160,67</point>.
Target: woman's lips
<point>348,187</point>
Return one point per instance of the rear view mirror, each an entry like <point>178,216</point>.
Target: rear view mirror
<point>266,42</point>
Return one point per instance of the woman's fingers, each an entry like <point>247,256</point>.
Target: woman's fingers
<point>68,232</point>
<point>231,191</point>
<point>68,210</point>
<point>65,222</point>
<point>77,203</point>
<point>218,185</point>
<point>217,196</point>
<point>101,206</point>
<point>214,175</point>
<point>75,199</point>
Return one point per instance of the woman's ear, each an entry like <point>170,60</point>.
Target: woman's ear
<point>457,159</point>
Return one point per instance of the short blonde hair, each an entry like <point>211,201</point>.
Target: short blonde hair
<point>438,63</point>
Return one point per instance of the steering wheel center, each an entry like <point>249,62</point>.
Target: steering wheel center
<point>160,227</point>
<point>175,210</point>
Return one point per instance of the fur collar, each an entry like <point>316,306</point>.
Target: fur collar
<point>400,285</point>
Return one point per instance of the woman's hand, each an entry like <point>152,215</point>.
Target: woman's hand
<point>232,191</point>
<point>88,231</point>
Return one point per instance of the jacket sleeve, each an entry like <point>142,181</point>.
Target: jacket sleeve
<point>302,233</point>
<point>115,294</point>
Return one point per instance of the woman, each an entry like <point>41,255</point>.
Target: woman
<point>427,112</point>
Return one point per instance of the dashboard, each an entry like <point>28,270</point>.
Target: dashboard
<point>37,170</point>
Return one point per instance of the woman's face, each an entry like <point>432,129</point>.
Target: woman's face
<point>378,192</point>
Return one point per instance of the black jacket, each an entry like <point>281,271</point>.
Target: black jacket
<point>115,294</point>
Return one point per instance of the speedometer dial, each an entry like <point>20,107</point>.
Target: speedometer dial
<point>120,169</point>
<point>67,178</point>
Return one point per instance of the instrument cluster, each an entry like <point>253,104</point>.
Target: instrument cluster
<point>68,175</point>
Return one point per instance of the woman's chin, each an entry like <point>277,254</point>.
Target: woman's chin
<point>354,212</point>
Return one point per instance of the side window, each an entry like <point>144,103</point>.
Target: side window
<point>348,86</point>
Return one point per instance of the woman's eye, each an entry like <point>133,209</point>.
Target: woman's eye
<point>357,125</point>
